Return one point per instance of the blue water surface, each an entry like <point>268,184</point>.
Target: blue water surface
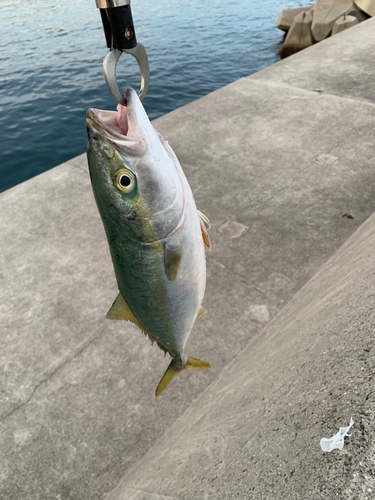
<point>51,67</point>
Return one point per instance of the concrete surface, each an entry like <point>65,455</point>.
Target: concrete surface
<point>255,432</point>
<point>342,65</point>
<point>285,175</point>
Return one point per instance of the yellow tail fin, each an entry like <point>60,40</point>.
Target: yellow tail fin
<point>172,371</point>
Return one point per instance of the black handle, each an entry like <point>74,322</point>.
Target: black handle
<point>118,27</point>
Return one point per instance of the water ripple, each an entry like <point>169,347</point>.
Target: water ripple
<point>51,67</point>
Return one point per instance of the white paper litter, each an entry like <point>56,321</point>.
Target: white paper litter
<point>336,441</point>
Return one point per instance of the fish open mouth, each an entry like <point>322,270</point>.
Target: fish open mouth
<point>118,125</point>
<point>128,129</point>
<point>113,124</point>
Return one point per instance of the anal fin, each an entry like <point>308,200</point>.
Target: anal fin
<point>120,310</point>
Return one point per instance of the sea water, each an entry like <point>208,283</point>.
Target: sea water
<point>51,67</point>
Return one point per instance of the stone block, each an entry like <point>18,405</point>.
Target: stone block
<point>344,23</point>
<point>358,13</point>
<point>325,14</point>
<point>299,36</point>
<point>368,6</point>
<point>286,16</point>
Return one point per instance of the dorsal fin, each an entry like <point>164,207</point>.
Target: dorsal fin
<point>200,313</point>
<point>204,219</point>
<point>121,310</point>
<point>205,236</point>
<point>205,224</point>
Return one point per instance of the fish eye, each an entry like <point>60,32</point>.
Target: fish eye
<point>125,181</point>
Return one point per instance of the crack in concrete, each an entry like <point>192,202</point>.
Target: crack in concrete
<point>49,376</point>
<point>368,395</point>
<point>155,496</point>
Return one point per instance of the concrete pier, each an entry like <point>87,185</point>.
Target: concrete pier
<point>282,162</point>
<point>255,432</point>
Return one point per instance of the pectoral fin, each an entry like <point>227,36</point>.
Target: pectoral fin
<point>172,260</point>
<point>172,371</point>
<point>204,219</point>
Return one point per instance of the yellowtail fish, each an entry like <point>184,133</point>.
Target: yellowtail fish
<point>155,233</point>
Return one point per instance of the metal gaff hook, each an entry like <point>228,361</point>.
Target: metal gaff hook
<point>109,69</point>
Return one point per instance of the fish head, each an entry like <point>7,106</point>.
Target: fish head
<point>137,180</point>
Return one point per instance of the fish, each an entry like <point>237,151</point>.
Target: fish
<point>156,234</point>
